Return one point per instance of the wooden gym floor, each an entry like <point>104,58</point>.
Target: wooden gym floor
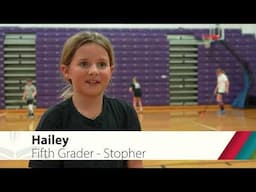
<point>158,119</point>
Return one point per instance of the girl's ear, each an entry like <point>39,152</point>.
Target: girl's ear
<point>64,70</point>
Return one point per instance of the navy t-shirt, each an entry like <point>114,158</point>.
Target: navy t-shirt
<point>117,115</point>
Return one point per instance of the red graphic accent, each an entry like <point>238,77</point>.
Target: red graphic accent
<point>235,145</point>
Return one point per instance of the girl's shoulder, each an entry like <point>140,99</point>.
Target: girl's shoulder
<point>58,109</point>
<point>117,103</point>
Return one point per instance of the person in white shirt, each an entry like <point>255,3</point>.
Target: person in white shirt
<point>222,88</point>
<point>29,96</point>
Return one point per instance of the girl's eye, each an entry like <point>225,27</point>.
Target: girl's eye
<point>102,65</point>
<point>83,64</point>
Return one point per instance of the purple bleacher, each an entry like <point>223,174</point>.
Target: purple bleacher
<point>2,101</point>
<point>243,45</point>
<point>143,53</point>
<point>233,31</point>
<point>252,91</point>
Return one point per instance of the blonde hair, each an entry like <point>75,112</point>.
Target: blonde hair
<point>134,79</point>
<point>219,70</point>
<point>73,43</point>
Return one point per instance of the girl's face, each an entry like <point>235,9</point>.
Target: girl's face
<point>89,70</point>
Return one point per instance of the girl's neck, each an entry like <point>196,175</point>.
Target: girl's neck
<point>90,107</point>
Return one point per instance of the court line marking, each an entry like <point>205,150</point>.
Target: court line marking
<point>206,126</point>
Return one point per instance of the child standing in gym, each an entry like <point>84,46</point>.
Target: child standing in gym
<point>29,96</point>
<point>221,89</point>
<point>137,93</point>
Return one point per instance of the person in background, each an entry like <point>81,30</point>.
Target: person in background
<point>137,94</point>
<point>28,96</point>
<point>221,89</point>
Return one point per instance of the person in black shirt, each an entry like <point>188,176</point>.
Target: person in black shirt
<point>137,93</point>
<point>87,63</point>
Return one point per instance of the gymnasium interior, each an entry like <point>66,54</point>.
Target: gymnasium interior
<point>174,63</point>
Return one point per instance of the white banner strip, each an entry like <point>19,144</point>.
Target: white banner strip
<point>113,145</point>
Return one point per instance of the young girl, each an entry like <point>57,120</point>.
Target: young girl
<point>28,96</point>
<point>87,63</point>
<point>136,89</point>
<point>222,88</point>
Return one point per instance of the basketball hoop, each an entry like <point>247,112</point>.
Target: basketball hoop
<point>208,38</point>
